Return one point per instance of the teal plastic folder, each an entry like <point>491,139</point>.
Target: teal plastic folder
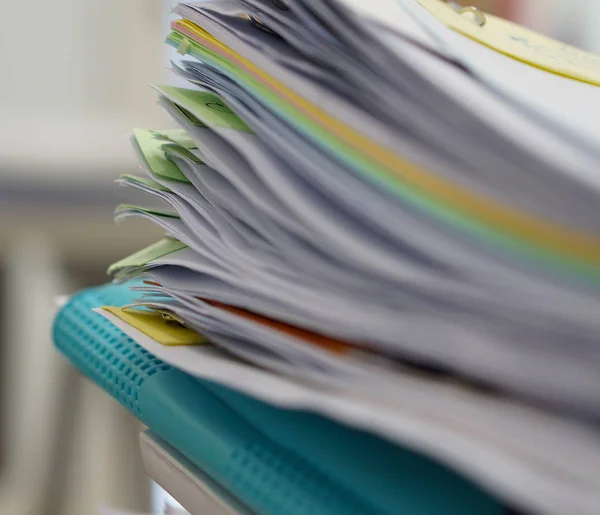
<point>275,461</point>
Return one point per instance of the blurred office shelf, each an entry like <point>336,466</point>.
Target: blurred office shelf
<point>67,450</point>
<point>75,82</point>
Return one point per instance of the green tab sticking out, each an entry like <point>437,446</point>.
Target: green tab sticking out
<point>143,257</point>
<point>149,149</point>
<point>144,181</point>
<point>183,47</point>
<point>178,136</point>
<point>189,116</point>
<point>147,210</point>
<point>172,149</point>
<point>206,106</point>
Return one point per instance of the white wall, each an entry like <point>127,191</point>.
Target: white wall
<point>589,15</point>
<point>74,78</point>
<point>574,21</point>
<point>72,55</point>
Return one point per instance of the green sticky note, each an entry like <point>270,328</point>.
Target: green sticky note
<point>175,150</point>
<point>178,136</point>
<point>206,106</point>
<point>143,257</point>
<point>149,149</point>
<point>145,181</point>
<point>189,116</point>
<point>150,211</point>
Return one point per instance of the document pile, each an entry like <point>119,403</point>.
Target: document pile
<point>384,212</point>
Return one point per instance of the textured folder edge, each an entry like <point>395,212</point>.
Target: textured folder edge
<point>471,459</point>
<point>192,488</point>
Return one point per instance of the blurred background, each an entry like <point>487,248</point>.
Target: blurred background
<point>74,80</point>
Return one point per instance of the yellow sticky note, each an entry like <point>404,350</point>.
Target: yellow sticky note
<point>155,326</point>
<point>520,43</point>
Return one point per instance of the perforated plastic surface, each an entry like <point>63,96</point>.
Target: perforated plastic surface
<point>392,479</point>
<point>279,463</point>
<point>281,483</point>
<point>100,350</point>
<point>264,476</point>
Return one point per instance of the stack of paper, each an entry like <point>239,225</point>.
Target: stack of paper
<point>385,211</point>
